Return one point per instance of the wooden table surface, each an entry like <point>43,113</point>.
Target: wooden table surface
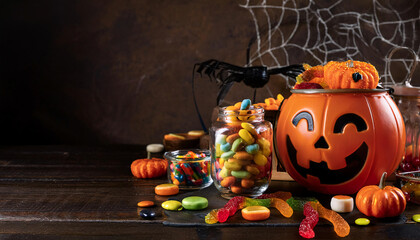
<point>68,192</point>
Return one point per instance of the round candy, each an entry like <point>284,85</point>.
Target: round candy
<point>342,203</point>
<point>147,214</point>
<point>155,148</point>
<point>166,189</point>
<point>416,217</point>
<point>255,213</point>
<point>195,203</point>
<point>145,204</point>
<point>362,221</point>
<point>172,205</point>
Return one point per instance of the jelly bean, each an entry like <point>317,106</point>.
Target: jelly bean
<point>233,166</point>
<point>147,214</point>
<point>166,189</point>
<point>145,204</point>
<point>242,162</point>
<point>221,138</point>
<point>247,183</point>
<point>228,181</point>
<point>260,159</point>
<point>231,138</point>
<point>416,217</point>
<point>225,147</point>
<point>172,205</point>
<point>252,149</point>
<point>237,144</point>
<point>242,155</point>
<point>362,221</point>
<point>246,136</point>
<point>250,128</point>
<point>252,169</point>
<point>227,155</point>
<point>241,174</point>
<point>195,203</point>
<point>245,104</point>
<point>224,172</point>
<point>236,189</point>
<point>237,105</point>
<point>265,146</point>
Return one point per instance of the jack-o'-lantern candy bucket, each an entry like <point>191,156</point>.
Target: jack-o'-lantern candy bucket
<point>337,141</point>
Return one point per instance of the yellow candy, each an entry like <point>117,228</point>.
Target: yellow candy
<point>260,159</point>
<point>246,136</point>
<point>265,146</point>
<point>250,128</point>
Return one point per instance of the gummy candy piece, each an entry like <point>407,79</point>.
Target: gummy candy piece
<point>297,203</point>
<point>254,202</point>
<point>311,219</point>
<point>341,227</point>
<point>211,217</point>
<point>281,206</point>
<point>279,194</point>
<point>222,215</point>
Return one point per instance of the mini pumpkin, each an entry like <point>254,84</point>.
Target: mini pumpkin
<point>149,168</point>
<point>350,74</point>
<point>380,201</point>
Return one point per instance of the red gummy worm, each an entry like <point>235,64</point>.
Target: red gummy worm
<point>311,219</point>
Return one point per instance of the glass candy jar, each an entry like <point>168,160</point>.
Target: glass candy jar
<point>241,145</point>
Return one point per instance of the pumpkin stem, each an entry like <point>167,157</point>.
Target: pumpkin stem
<point>382,182</point>
<point>149,155</point>
<point>350,64</point>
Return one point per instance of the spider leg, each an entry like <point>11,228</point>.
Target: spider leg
<point>225,87</point>
<point>290,71</point>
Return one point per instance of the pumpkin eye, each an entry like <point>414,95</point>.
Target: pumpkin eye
<point>349,118</point>
<point>304,115</point>
<point>356,76</point>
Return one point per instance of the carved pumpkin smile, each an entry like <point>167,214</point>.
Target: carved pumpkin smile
<point>321,170</point>
<point>337,141</point>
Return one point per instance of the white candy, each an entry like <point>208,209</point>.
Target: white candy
<point>154,148</point>
<point>342,203</point>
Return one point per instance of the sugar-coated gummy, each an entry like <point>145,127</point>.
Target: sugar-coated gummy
<point>211,217</point>
<point>311,219</point>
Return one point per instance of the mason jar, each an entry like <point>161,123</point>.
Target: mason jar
<point>241,145</point>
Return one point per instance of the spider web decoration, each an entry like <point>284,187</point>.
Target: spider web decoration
<point>305,31</point>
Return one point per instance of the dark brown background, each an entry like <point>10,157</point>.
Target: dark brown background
<point>105,72</point>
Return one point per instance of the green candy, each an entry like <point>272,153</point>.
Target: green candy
<point>172,205</point>
<point>416,217</point>
<point>237,144</point>
<point>227,155</point>
<point>195,203</point>
<point>362,221</point>
<point>241,174</point>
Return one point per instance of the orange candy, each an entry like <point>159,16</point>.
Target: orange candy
<point>166,189</point>
<point>145,204</point>
<point>255,213</point>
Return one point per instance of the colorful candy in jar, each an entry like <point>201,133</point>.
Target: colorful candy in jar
<point>191,170</point>
<point>242,150</point>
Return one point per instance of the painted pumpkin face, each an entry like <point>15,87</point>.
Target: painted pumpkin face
<point>338,142</point>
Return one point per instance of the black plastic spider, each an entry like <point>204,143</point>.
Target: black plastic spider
<point>226,74</point>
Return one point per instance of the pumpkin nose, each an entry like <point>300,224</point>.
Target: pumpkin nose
<point>321,143</point>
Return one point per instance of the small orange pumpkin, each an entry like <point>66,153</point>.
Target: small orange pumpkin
<point>350,74</point>
<point>149,168</point>
<point>379,201</point>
